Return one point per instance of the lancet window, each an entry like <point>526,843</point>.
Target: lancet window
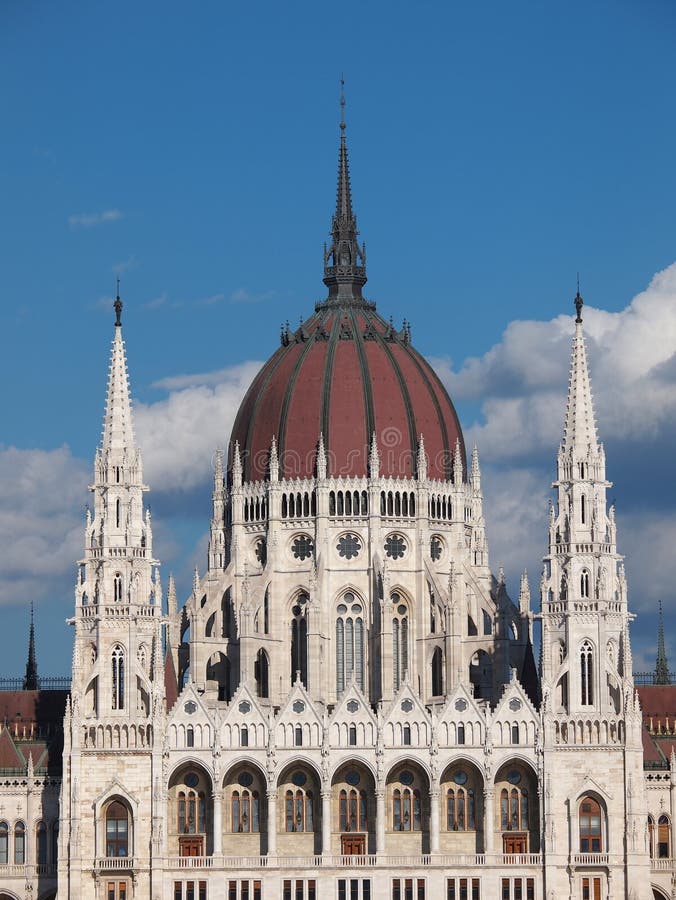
<point>349,642</point>
<point>299,638</point>
<point>191,812</point>
<point>590,822</point>
<point>353,810</point>
<point>117,829</point>
<point>298,810</point>
<point>245,805</point>
<point>399,640</point>
<point>118,677</point>
<point>514,809</point>
<point>587,674</point>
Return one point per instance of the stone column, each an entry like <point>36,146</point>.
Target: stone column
<point>380,820</point>
<point>489,818</point>
<point>434,820</point>
<point>217,799</point>
<point>272,821</point>
<point>326,821</point>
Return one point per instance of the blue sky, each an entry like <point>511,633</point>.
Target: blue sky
<point>496,149</point>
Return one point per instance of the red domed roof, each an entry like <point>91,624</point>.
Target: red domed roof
<point>346,374</point>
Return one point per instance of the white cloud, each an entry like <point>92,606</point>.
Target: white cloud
<point>179,433</point>
<point>243,295</point>
<point>156,303</point>
<point>42,497</point>
<point>91,220</point>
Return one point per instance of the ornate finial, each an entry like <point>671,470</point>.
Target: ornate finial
<point>117,306</point>
<point>578,302</point>
<point>342,105</point>
<point>321,457</point>
<point>662,666</point>
<point>30,682</point>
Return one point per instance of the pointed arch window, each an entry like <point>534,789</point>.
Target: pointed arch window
<point>118,513</point>
<point>19,844</point>
<point>590,822</point>
<point>191,812</point>
<point>584,584</point>
<point>299,638</point>
<point>4,843</point>
<point>406,809</point>
<point>117,587</point>
<point>117,829</point>
<point>349,642</point>
<point>352,810</point>
<point>514,810</point>
<point>587,674</point>
<point>399,640</point>
<point>651,837</point>
<point>261,673</point>
<point>460,809</point>
<point>41,844</point>
<point>583,509</point>
<point>437,672</point>
<point>118,677</point>
<point>664,837</point>
<point>298,810</point>
<point>246,818</point>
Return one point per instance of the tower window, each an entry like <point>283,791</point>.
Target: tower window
<point>118,677</point>
<point>117,587</point>
<point>583,509</point>
<point>591,837</point>
<point>399,640</point>
<point>586,674</point>
<point>117,830</point>
<point>299,639</point>
<point>349,642</point>
<point>584,583</point>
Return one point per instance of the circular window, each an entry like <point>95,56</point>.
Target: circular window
<point>245,779</point>
<point>356,608</point>
<point>192,779</point>
<point>342,608</point>
<point>461,705</point>
<point>401,609</point>
<point>395,546</point>
<point>299,778</point>
<point>352,777</point>
<point>296,610</point>
<point>349,545</point>
<point>460,777</point>
<point>514,777</point>
<point>406,777</point>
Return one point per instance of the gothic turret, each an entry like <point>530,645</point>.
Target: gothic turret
<point>117,583</point>
<point>584,606</point>
<point>661,666</point>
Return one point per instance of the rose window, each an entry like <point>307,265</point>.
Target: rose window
<point>395,546</point>
<point>348,546</point>
<point>303,547</point>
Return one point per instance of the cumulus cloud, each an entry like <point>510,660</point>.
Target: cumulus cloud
<point>42,497</point>
<point>91,220</point>
<point>180,432</point>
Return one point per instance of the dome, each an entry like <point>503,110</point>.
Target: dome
<point>347,375</point>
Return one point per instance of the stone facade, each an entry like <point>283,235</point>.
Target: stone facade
<point>348,703</point>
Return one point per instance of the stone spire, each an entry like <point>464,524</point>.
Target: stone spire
<point>118,431</point>
<point>662,666</point>
<point>579,436</point>
<point>345,260</point>
<point>30,682</point>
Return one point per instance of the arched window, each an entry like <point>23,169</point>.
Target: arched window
<point>299,639</point>
<point>19,844</point>
<point>583,509</point>
<point>118,677</point>
<point>399,640</point>
<point>437,673</point>
<point>190,736</point>
<point>584,584</point>
<point>664,837</point>
<point>41,844</point>
<point>117,587</point>
<point>118,513</point>
<point>117,829</point>
<point>651,837</point>
<point>460,810</point>
<point>352,736</point>
<point>406,809</point>
<point>586,674</point>
<point>591,837</point>
<point>349,642</point>
<point>246,816</point>
<point>4,843</point>
<point>353,810</point>
<point>191,812</point>
<point>514,810</point>
<point>298,811</point>
<point>261,670</point>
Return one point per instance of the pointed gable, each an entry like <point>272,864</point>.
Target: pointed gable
<point>353,723</point>
<point>515,711</point>
<point>299,723</point>
<point>244,722</point>
<point>462,721</point>
<point>407,723</point>
<point>190,724</point>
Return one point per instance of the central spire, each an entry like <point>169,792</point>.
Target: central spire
<point>580,437</point>
<point>345,260</point>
